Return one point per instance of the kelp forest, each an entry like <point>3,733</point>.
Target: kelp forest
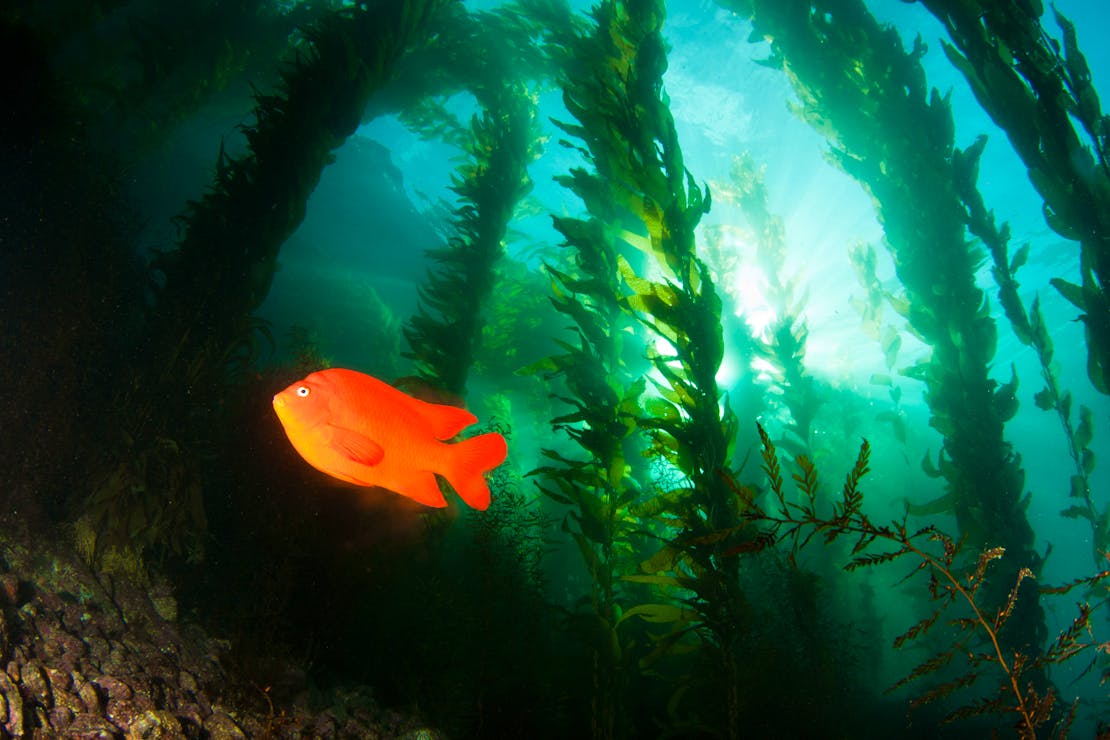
<point>792,314</point>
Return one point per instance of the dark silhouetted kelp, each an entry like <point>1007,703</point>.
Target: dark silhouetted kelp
<point>1034,91</point>
<point>447,329</point>
<point>1030,329</point>
<point>200,327</point>
<point>858,86</point>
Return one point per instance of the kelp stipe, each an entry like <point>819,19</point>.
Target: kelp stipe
<point>1030,329</point>
<point>445,332</point>
<point>1035,93</point>
<point>627,132</point>
<point>199,333</point>
<point>858,86</point>
<point>597,488</point>
<point>954,584</point>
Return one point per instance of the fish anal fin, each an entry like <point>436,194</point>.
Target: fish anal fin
<point>357,447</point>
<point>423,488</point>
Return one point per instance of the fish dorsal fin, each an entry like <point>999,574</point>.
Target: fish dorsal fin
<point>357,447</point>
<point>445,421</point>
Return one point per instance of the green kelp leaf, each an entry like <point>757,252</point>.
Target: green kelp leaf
<point>1043,399</point>
<point>664,560</point>
<point>901,305</point>
<point>635,282</point>
<point>943,504</point>
<point>1005,397</point>
<point>1071,292</point>
<point>1087,461</point>
<point>1076,512</point>
<point>928,467</point>
<point>661,614</point>
<point>1020,258</point>
<point>1076,63</point>
<point>589,520</point>
<point>1039,332</point>
<point>892,344</point>
<point>1078,487</point>
<point>1065,404</point>
<point>589,555</point>
<point>662,580</point>
<point>919,371</point>
<point>554,495</point>
<point>1086,431</point>
<point>668,644</point>
<point>662,409</point>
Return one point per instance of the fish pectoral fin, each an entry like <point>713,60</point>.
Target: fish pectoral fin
<point>357,447</point>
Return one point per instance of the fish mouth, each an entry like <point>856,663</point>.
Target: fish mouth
<point>279,402</point>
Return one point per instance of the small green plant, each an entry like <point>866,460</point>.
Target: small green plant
<point>954,585</point>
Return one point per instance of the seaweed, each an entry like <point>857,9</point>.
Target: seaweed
<point>864,260</point>
<point>869,96</point>
<point>200,338</point>
<point>597,487</point>
<point>784,345</point>
<point>471,51</point>
<point>1036,91</point>
<point>955,586</point>
<point>627,132</point>
<point>446,330</point>
<point>1030,329</point>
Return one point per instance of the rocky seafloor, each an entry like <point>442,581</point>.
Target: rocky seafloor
<point>84,655</point>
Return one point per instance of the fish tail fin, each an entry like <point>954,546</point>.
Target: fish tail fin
<point>470,459</point>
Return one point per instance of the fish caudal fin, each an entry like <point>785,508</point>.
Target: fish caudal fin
<point>469,460</point>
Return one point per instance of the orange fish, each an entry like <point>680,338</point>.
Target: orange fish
<point>360,430</point>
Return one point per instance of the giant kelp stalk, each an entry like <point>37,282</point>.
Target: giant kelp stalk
<point>446,331</point>
<point>1036,93</point>
<point>1030,329</point>
<point>597,486</point>
<point>199,327</point>
<point>869,97</point>
<point>626,128</point>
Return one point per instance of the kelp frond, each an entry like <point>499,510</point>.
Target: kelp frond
<point>445,332</point>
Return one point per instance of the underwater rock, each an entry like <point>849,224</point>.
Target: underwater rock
<point>87,655</point>
<point>155,724</point>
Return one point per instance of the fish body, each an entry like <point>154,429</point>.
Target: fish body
<point>360,430</point>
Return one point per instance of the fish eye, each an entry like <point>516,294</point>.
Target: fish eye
<point>303,391</point>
